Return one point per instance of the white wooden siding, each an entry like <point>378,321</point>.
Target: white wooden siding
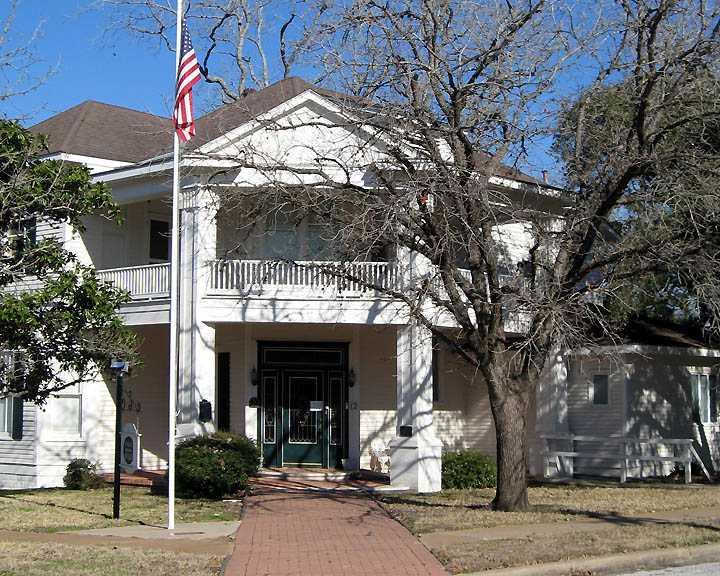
<point>587,419</point>
<point>45,229</point>
<point>17,457</point>
<point>479,426</point>
<point>377,390</point>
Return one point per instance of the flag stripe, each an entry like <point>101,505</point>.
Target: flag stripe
<point>188,75</point>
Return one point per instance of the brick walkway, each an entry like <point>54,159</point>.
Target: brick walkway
<point>306,532</point>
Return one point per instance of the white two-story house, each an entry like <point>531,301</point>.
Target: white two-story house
<point>322,372</point>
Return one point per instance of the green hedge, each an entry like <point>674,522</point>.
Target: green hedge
<point>213,465</point>
<point>468,469</point>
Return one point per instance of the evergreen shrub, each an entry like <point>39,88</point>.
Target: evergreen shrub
<point>468,469</point>
<point>216,464</point>
<point>81,474</point>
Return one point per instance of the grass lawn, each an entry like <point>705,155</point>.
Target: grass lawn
<point>465,509</point>
<point>38,559</point>
<point>54,510</point>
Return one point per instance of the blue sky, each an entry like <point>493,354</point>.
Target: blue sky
<point>126,74</point>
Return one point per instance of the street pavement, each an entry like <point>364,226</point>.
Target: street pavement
<point>712,569</point>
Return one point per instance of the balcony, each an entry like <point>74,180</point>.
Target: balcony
<point>150,282</point>
<point>253,277</point>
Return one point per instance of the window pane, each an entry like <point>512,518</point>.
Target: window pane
<point>64,412</point>
<point>704,397</point>
<point>280,244</point>
<point>269,410</point>
<point>600,389</point>
<point>159,240</point>
<point>713,398</point>
<point>3,415</point>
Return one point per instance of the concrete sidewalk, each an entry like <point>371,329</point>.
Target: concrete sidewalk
<point>215,538</point>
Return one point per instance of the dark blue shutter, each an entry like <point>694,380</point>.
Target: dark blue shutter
<point>17,418</point>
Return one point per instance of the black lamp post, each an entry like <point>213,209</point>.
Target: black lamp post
<point>120,367</point>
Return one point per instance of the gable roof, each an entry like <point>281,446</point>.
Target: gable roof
<point>252,104</point>
<point>116,133</point>
<point>106,131</point>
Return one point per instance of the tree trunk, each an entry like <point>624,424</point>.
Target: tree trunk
<point>509,412</point>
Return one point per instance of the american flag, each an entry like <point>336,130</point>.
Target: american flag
<point>188,76</point>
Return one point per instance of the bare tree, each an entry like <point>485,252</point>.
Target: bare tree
<point>447,100</point>
<point>241,44</point>
<point>21,69</point>
<point>454,94</point>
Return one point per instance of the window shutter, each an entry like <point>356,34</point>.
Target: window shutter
<point>713,399</point>
<point>17,419</point>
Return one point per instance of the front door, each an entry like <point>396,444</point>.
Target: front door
<point>303,419</point>
<point>303,416</point>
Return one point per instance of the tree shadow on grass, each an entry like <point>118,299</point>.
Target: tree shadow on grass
<point>16,495</point>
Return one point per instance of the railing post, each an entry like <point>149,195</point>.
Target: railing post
<point>688,465</point>
<point>623,461</point>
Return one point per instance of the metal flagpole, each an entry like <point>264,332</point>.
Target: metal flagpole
<point>174,297</point>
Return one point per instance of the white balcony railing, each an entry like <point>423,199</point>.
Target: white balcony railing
<point>143,282</point>
<point>242,277</point>
<point>245,275</point>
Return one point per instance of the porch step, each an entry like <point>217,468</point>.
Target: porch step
<point>155,478</point>
<point>299,474</point>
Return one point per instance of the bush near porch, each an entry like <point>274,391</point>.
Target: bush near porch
<point>213,465</point>
<point>468,469</point>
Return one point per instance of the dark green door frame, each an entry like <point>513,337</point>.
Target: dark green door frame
<point>295,429</point>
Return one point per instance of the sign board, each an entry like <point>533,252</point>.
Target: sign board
<point>130,448</point>
<point>316,405</point>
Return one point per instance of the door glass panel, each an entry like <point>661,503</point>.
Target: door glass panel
<point>302,421</point>
<point>269,411</point>
<point>336,410</point>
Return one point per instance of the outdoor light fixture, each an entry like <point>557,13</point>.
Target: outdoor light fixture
<point>351,378</point>
<point>120,365</point>
<point>254,377</point>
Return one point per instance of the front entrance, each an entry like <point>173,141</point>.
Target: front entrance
<point>303,395</point>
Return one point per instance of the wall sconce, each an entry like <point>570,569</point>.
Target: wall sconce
<point>254,377</point>
<point>351,378</point>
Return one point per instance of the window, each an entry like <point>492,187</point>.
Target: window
<point>21,237</point>
<point>309,238</point>
<point>159,240</point>
<point>65,413</point>
<point>11,418</point>
<point>599,393</point>
<point>705,400</point>
<point>5,416</point>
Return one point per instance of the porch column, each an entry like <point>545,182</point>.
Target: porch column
<point>552,418</point>
<point>415,452</point>
<point>196,341</point>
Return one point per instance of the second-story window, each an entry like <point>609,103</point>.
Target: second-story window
<point>159,241</point>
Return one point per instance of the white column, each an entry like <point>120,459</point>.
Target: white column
<point>196,341</point>
<point>552,416</point>
<point>356,363</point>
<point>250,390</point>
<point>415,452</point>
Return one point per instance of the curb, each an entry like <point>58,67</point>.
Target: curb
<point>617,564</point>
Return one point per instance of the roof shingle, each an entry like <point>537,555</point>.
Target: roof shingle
<point>106,131</point>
